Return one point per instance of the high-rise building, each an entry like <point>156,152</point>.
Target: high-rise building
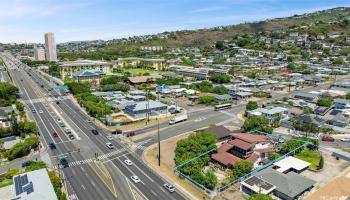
<point>50,47</point>
<point>39,53</point>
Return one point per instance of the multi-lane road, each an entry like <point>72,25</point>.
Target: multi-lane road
<point>86,152</point>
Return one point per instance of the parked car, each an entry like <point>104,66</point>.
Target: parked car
<point>328,139</point>
<point>71,136</point>
<point>345,139</point>
<point>25,164</point>
<point>169,187</point>
<point>135,179</point>
<point>94,131</point>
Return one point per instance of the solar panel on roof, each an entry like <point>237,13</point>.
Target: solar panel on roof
<point>18,187</point>
<point>259,182</point>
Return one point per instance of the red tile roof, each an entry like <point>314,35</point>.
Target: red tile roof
<point>250,138</point>
<point>241,144</point>
<point>226,158</point>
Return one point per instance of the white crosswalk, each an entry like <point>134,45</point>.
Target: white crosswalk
<point>104,156</point>
<point>86,161</point>
<point>40,100</point>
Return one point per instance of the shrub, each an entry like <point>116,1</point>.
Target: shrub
<point>57,186</point>
<point>206,99</point>
<point>23,148</point>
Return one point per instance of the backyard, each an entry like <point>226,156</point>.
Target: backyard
<point>311,156</point>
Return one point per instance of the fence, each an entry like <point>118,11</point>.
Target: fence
<point>222,188</point>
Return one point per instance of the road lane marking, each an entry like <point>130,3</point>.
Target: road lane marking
<point>82,186</point>
<point>140,170</point>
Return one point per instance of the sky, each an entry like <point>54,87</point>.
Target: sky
<point>76,20</point>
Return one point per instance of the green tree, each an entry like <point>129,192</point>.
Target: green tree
<point>220,90</point>
<point>260,197</point>
<point>347,96</point>
<point>252,105</point>
<point>240,169</point>
<point>78,87</point>
<point>206,99</point>
<point>220,45</point>
<point>290,145</point>
<point>327,102</point>
<point>220,78</point>
<point>204,86</point>
<point>321,163</point>
<point>257,123</point>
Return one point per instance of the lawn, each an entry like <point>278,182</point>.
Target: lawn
<point>313,157</point>
<point>6,182</point>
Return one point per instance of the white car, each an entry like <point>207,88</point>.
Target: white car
<point>135,179</point>
<point>109,145</point>
<point>128,162</point>
<point>109,137</point>
<point>41,112</point>
<point>169,187</point>
<point>67,130</point>
<point>345,139</point>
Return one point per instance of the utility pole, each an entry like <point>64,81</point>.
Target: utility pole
<point>158,144</point>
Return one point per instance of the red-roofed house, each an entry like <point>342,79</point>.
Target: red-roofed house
<point>254,148</point>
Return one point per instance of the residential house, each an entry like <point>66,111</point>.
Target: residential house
<point>253,148</point>
<point>221,132</point>
<point>223,98</point>
<point>341,104</point>
<point>273,114</point>
<point>287,186</point>
<point>308,97</point>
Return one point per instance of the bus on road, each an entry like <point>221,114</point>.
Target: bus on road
<point>223,107</point>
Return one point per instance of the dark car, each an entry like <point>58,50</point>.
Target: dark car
<point>55,135</point>
<point>25,164</point>
<point>328,139</point>
<point>71,136</point>
<point>117,131</point>
<point>64,162</point>
<point>94,131</point>
<point>52,145</point>
<point>57,102</point>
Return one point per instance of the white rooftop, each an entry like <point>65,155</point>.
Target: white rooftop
<point>291,162</point>
<point>42,188</point>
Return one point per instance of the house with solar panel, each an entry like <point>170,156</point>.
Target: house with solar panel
<point>282,180</point>
<point>34,185</point>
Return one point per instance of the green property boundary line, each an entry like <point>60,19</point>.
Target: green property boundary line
<point>222,188</point>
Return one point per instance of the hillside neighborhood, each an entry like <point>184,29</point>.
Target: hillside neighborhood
<point>263,113</point>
